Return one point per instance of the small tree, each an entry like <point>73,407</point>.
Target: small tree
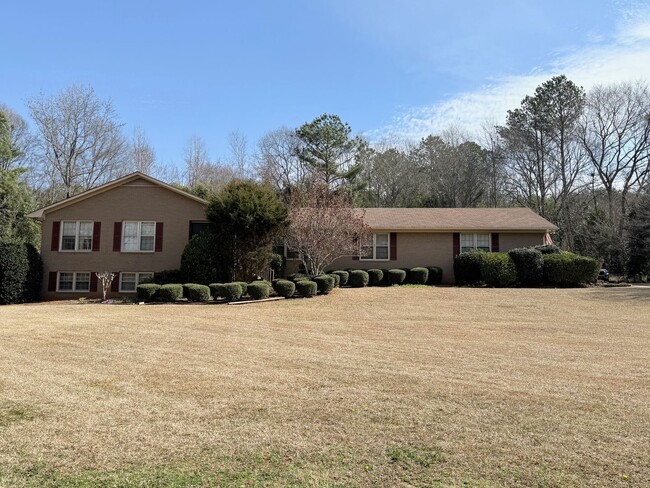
<point>324,226</point>
<point>106,279</point>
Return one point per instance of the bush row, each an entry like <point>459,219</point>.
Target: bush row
<point>358,278</point>
<point>21,273</point>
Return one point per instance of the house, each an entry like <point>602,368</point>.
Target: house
<point>132,226</point>
<point>137,225</point>
<point>410,237</point>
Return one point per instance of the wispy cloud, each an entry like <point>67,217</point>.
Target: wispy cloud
<point>619,57</point>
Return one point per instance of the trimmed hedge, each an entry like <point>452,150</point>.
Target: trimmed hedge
<point>375,277</point>
<point>358,278</point>
<point>418,276</point>
<point>216,290</point>
<point>186,292</point>
<point>243,285</point>
<point>284,288</point>
<point>198,293</point>
<point>386,279</point>
<point>258,290</point>
<point>171,292</point>
<point>435,275</point>
<point>568,269</point>
<point>324,284</point>
<point>205,259</point>
<point>306,288</point>
<point>548,249</point>
<point>14,268</point>
<point>336,278</point>
<point>467,268</point>
<point>396,276</point>
<point>147,291</point>
<point>231,291</point>
<point>344,276</point>
<point>498,269</point>
<point>529,263</point>
<point>298,276</point>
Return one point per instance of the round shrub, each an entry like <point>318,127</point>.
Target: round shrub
<point>216,289</point>
<point>529,263</point>
<point>306,288</point>
<point>198,293</point>
<point>418,276</point>
<point>358,278</point>
<point>205,259</point>
<point>375,276</point>
<point>336,278</point>
<point>258,290</point>
<point>568,269</point>
<point>344,276</point>
<point>548,249</point>
<point>243,285</point>
<point>467,268</point>
<point>385,281</point>
<point>231,291</point>
<point>324,284</point>
<point>396,276</point>
<point>498,269</point>
<point>435,275</point>
<point>171,292</point>
<point>14,268</point>
<point>147,291</point>
<point>284,288</point>
<point>186,287</point>
<point>295,277</point>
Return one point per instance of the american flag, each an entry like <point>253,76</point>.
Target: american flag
<point>548,240</point>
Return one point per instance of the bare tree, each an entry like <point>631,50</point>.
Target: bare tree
<point>105,278</point>
<point>143,157</point>
<point>20,139</point>
<point>277,161</point>
<point>324,226</point>
<point>80,139</point>
<point>200,171</point>
<point>238,159</point>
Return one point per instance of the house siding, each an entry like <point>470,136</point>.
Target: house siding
<point>138,200</point>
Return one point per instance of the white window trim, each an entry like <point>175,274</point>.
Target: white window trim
<point>474,234</point>
<point>139,222</point>
<point>74,281</point>
<point>374,248</point>
<point>76,236</point>
<point>137,280</point>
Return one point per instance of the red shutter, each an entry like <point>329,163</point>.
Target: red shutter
<point>355,258</point>
<point>159,237</point>
<point>93,281</point>
<point>456,243</point>
<point>56,231</point>
<point>495,242</point>
<point>115,285</point>
<point>393,246</point>
<point>117,236</point>
<point>51,285</point>
<point>97,234</point>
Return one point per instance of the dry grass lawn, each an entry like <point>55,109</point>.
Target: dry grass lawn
<point>369,387</point>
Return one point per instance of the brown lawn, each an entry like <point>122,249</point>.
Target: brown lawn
<point>381,387</point>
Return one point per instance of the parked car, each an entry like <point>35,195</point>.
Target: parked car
<point>603,274</point>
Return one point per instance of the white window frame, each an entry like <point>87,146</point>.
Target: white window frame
<point>74,281</point>
<point>286,254</point>
<point>139,235</point>
<point>374,248</point>
<point>475,240</point>
<point>76,235</point>
<point>138,279</point>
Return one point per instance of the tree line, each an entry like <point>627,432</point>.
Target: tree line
<point>579,158</point>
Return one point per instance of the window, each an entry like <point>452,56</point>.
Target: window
<point>469,242</point>
<point>130,281</point>
<point>290,254</point>
<point>70,281</point>
<point>138,236</point>
<point>76,236</point>
<point>376,248</point>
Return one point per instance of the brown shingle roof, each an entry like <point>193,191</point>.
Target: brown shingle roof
<point>457,219</point>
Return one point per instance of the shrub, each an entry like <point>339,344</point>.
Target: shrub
<point>396,276</point>
<point>14,268</point>
<point>358,278</point>
<point>34,278</point>
<point>418,276</point>
<point>529,263</point>
<point>198,293</point>
<point>344,276</point>
<point>386,279</point>
<point>284,288</point>
<point>295,277</point>
<point>170,292</point>
<point>435,275</point>
<point>306,288</point>
<point>216,289</point>
<point>186,289</point>
<point>336,278</point>
<point>231,291</point>
<point>498,269</point>
<point>324,284</point>
<point>167,276</point>
<point>244,287</point>
<point>258,290</point>
<point>375,276</point>
<point>467,268</point>
<point>548,249</point>
<point>205,259</point>
<point>147,291</point>
<point>568,269</point>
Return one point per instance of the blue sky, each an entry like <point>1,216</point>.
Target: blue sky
<point>404,68</point>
